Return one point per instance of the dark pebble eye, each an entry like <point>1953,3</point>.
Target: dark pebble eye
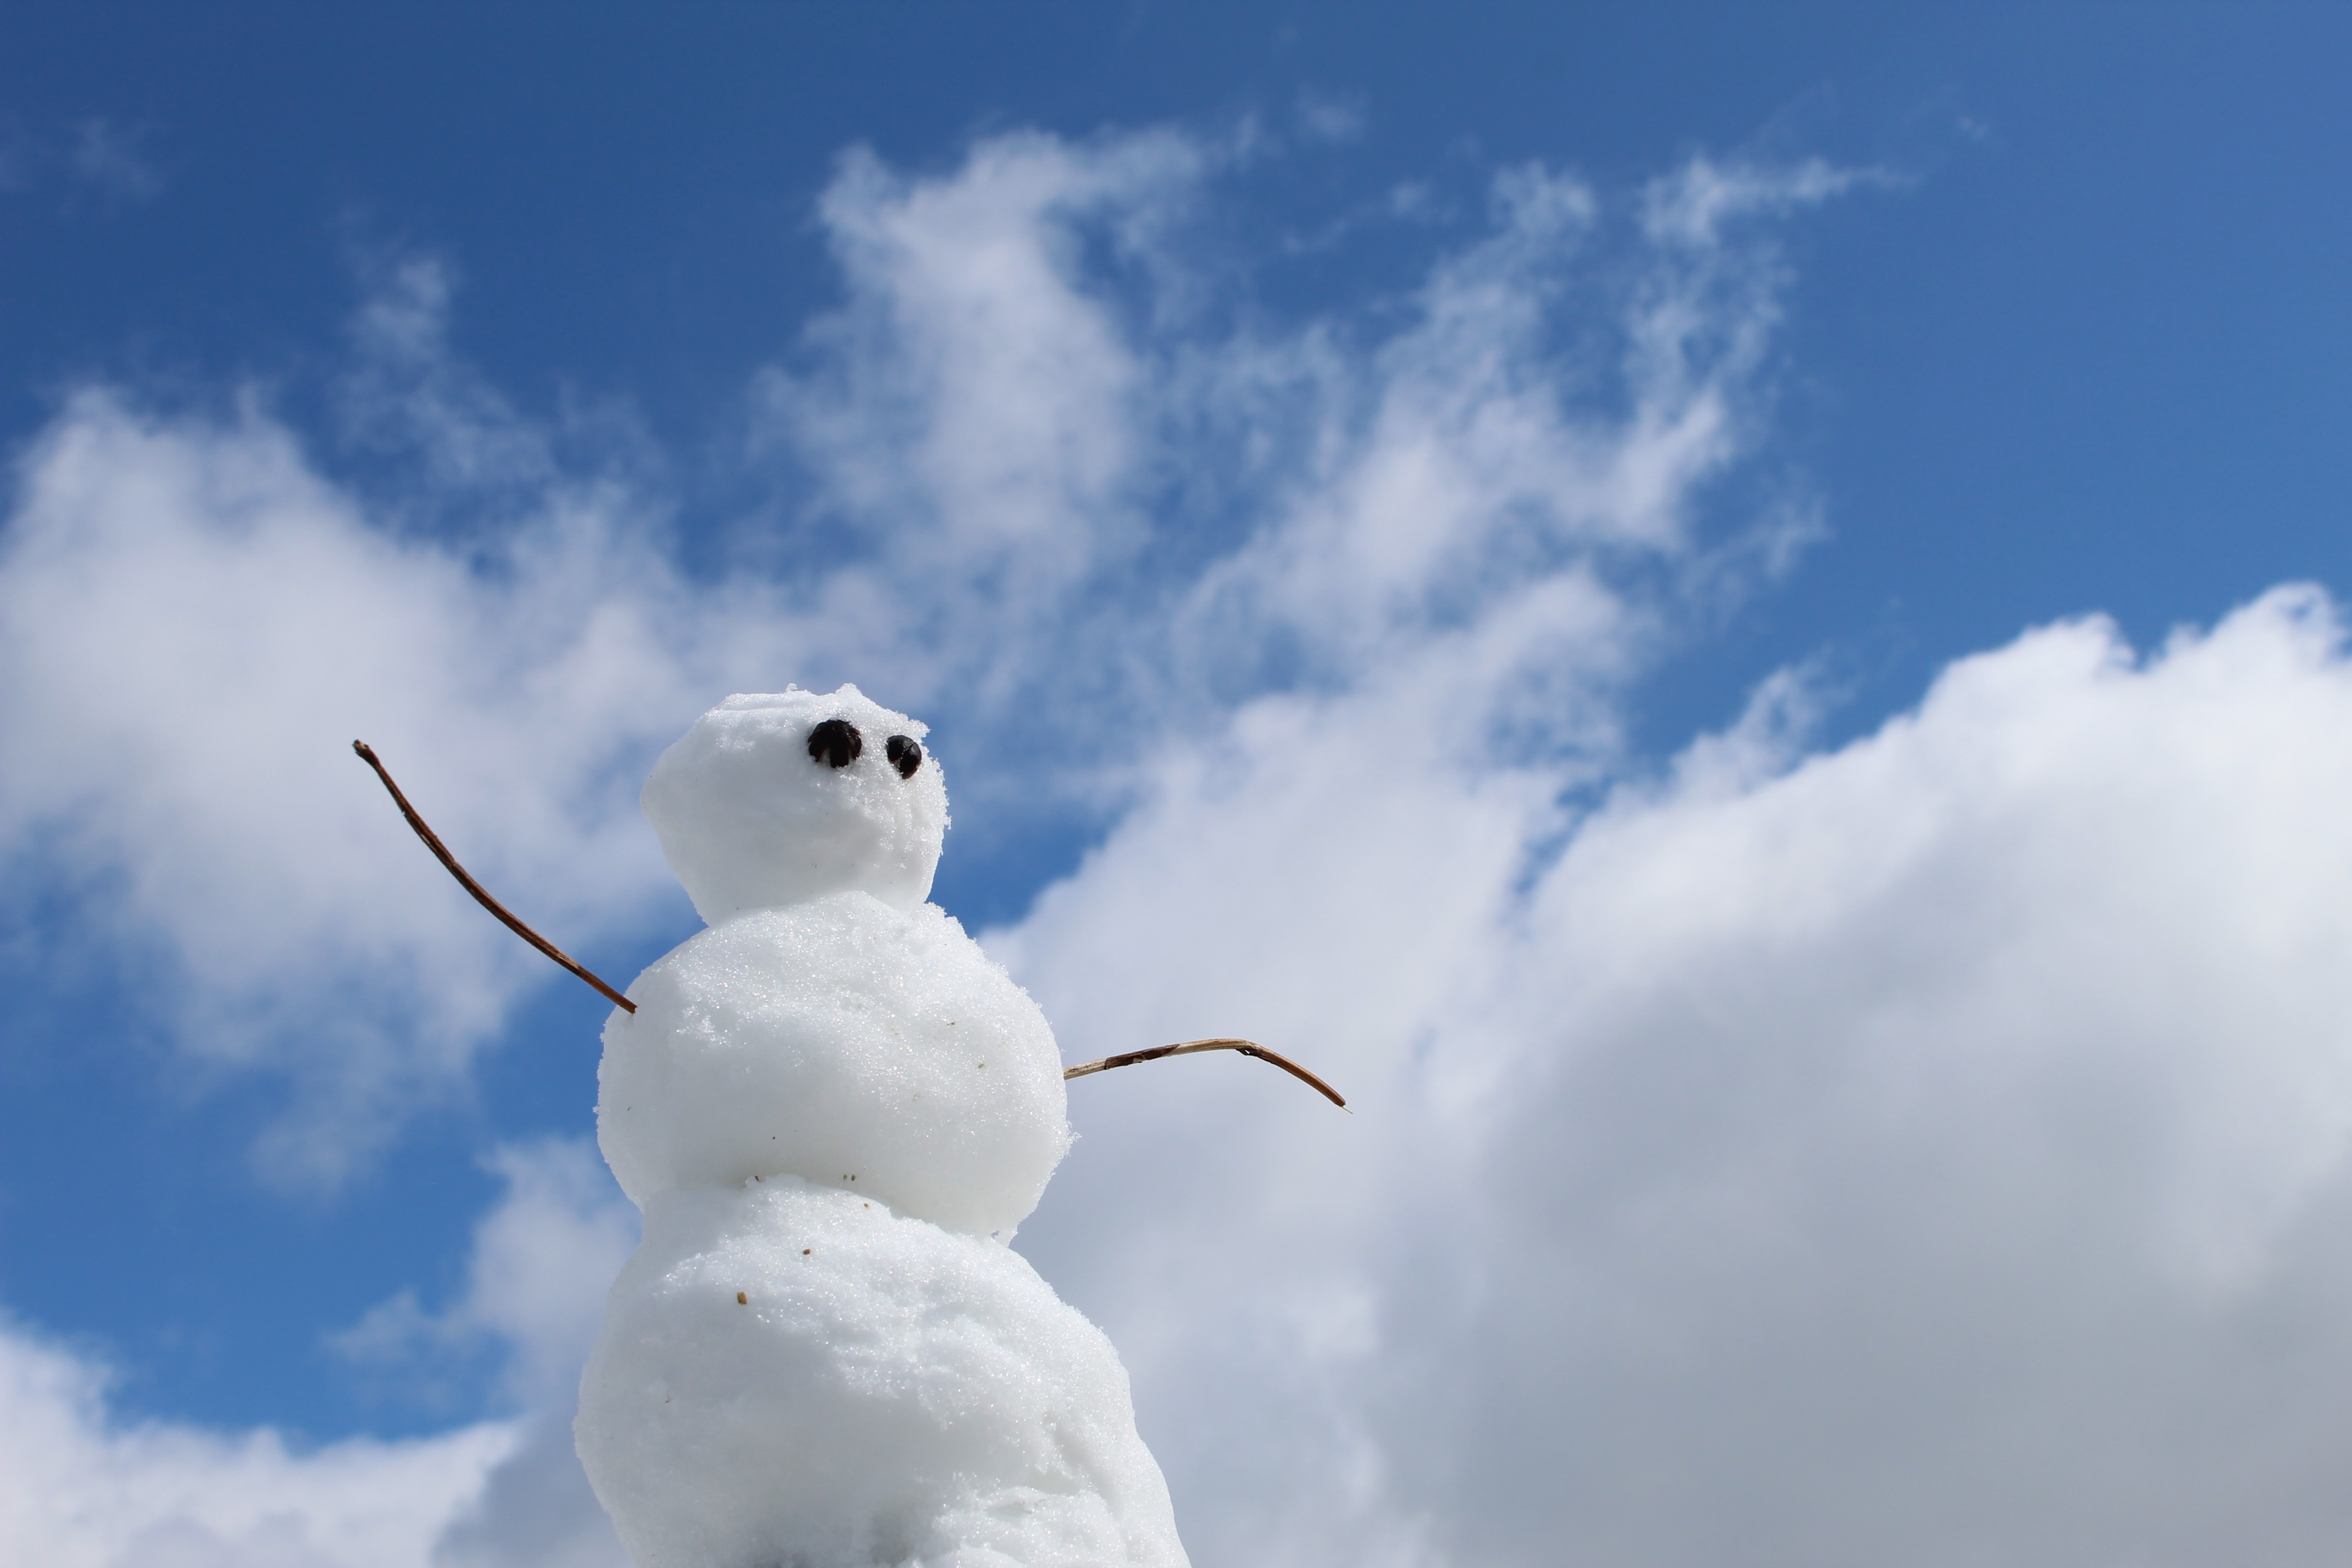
<point>836,741</point>
<point>904,755</point>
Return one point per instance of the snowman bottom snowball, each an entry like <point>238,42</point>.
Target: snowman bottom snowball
<point>793,1374</point>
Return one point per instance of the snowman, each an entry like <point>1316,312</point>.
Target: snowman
<point>834,1111</point>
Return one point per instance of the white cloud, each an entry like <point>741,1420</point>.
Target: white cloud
<point>80,1489</point>
<point>197,625</point>
<point>541,1261</point>
<point>1933,1151</point>
<point>535,1283</point>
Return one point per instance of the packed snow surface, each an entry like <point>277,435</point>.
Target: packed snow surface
<point>884,1392</point>
<point>748,819</point>
<point>835,1110</point>
<point>839,1041</point>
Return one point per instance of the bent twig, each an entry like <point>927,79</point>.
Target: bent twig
<point>1246,1047</point>
<point>441,851</point>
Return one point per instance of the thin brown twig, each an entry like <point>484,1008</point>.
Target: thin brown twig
<point>1246,1047</point>
<point>441,851</point>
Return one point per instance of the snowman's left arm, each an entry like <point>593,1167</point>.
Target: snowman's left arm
<point>1246,1047</point>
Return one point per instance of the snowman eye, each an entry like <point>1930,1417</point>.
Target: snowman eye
<point>904,755</point>
<point>836,741</point>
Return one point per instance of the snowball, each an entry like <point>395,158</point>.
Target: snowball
<point>837,1039</point>
<point>791,1374</point>
<point>749,820</point>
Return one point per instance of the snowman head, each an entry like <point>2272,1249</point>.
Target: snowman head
<point>773,799</point>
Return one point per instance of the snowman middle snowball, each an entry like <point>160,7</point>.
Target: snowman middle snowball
<point>835,1065</point>
<point>829,1025</point>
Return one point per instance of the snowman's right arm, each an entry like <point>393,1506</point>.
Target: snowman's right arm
<point>481,894</point>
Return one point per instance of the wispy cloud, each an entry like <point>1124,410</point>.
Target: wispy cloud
<point>1046,490</point>
<point>97,156</point>
<point>1334,119</point>
<point>19,158</point>
<point>112,159</point>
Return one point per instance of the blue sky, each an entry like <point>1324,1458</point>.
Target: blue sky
<point>1642,407</point>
